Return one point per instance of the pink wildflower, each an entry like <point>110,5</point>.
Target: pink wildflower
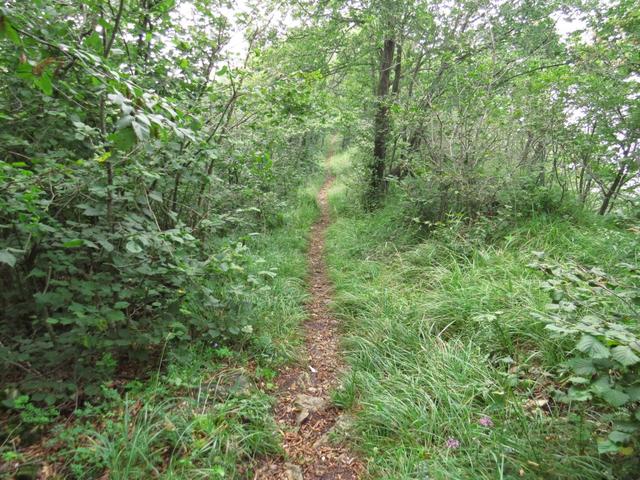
<point>453,443</point>
<point>485,421</point>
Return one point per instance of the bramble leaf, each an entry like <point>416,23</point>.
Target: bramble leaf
<point>592,347</point>
<point>613,397</point>
<point>7,258</point>
<point>624,355</point>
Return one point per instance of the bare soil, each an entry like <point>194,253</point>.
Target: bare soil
<point>304,411</point>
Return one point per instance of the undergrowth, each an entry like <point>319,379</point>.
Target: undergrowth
<point>461,342</point>
<point>203,411</point>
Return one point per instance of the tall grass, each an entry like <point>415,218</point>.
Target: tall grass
<point>279,310</point>
<point>440,339</point>
<point>182,426</point>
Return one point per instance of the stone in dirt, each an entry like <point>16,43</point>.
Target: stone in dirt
<point>307,404</point>
<point>294,472</point>
<point>303,380</point>
<point>340,429</point>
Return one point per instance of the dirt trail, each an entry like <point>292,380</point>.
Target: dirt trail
<point>303,411</point>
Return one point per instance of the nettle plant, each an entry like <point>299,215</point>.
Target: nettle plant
<point>597,316</point>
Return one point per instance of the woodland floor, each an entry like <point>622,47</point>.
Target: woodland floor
<point>304,412</point>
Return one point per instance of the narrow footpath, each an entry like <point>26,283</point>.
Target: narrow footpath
<point>304,411</point>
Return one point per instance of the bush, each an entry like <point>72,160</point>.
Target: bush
<point>596,312</point>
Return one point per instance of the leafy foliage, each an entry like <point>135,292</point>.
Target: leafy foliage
<point>126,157</point>
<point>607,349</point>
<point>484,102</point>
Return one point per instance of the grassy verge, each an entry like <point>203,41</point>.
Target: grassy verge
<point>204,411</point>
<point>454,374</point>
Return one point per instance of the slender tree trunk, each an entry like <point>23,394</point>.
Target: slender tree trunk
<point>582,189</point>
<point>615,195</point>
<point>107,42</point>
<point>615,186</point>
<point>381,122</point>
<point>397,72</point>
<point>395,90</point>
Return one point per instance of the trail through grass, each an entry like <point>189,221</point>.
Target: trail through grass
<point>305,415</point>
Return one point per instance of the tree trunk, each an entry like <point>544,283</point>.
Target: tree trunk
<point>107,42</point>
<point>615,186</point>
<point>381,122</point>
<point>397,74</point>
<point>395,90</point>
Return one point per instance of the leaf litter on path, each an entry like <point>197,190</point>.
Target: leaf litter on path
<point>304,411</point>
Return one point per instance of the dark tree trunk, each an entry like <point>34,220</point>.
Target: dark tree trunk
<point>397,73</point>
<point>615,187</point>
<point>395,90</point>
<point>381,122</point>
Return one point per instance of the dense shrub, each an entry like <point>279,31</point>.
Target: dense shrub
<point>127,188</point>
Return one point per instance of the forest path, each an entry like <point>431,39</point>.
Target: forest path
<point>304,412</point>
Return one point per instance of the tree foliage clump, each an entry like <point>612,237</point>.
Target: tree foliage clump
<point>134,156</point>
<point>477,106</point>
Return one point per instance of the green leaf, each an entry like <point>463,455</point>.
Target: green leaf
<point>104,157</point>
<point>141,130</point>
<point>607,446</point>
<point>43,82</point>
<point>624,355</point>
<point>613,397</point>
<point>619,437</point>
<point>94,42</point>
<point>267,273</point>
<point>582,366</point>
<point>7,258</point>
<point>558,328</point>
<point>156,196</point>
<point>143,119</point>
<point>576,395</point>
<point>578,380</point>
<point>634,393</point>
<point>116,98</point>
<point>124,122</point>
<point>123,139</point>
<point>592,347</point>
<point>626,451</point>
<point>76,242</point>
<point>24,71</point>
<point>108,246</point>
<point>133,247</point>
<point>6,30</point>
<point>115,316</point>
